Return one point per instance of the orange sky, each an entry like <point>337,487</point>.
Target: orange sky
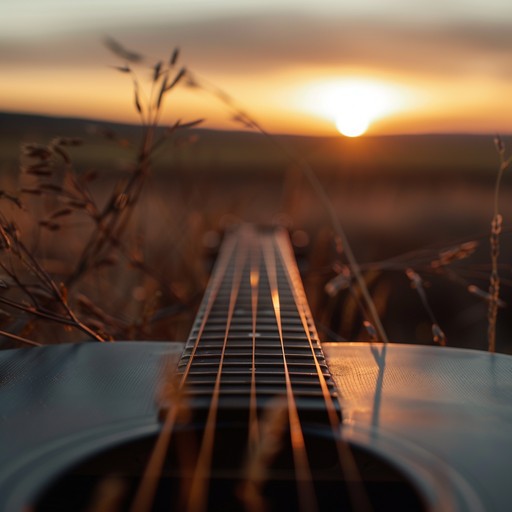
<point>434,67</point>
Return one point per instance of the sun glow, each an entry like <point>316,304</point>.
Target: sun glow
<point>352,124</point>
<point>353,104</point>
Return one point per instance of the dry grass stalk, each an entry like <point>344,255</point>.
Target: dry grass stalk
<point>496,228</point>
<point>417,284</point>
<point>108,495</point>
<point>65,197</point>
<point>484,295</point>
<point>370,329</point>
<point>273,427</point>
<point>341,281</point>
<point>113,220</point>
<point>19,339</point>
<point>342,243</point>
<point>456,253</point>
<point>354,304</point>
<point>46,298</point>
<point>174,411</point>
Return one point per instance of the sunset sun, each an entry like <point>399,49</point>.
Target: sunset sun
<point>352,122</point>
<point>353,104</point>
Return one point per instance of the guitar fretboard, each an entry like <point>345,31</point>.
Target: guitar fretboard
<point>254,339</point>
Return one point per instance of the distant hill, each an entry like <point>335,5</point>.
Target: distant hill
<point>470,155</point>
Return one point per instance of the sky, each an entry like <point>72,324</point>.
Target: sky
<point>317,67</point>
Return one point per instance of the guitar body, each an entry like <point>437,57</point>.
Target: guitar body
<point>431,427</point>
<point>444,415</point>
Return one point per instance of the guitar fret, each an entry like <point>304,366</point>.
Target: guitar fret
<point>244,351</point>
<point>235,330</point>
<point>266,393</point>
<point>242,356</point>
<point>263,344</point>
<point>242,361</point>
<point>264,376</point>
<point>244,317</point>
<point>263,337</point>
<point>247,364</point>
<point>264,372</point>
<point>217,315</point>
<point>259,348</point>
<point>235,380</point>
<point>297,369</point>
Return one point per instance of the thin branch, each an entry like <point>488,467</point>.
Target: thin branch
<point>19,338</point>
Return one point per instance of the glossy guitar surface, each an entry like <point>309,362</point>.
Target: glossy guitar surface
<point>429,428</point>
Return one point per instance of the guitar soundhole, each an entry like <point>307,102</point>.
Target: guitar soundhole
<point>270,484</point>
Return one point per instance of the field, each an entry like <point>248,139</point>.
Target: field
<point>406,202</point>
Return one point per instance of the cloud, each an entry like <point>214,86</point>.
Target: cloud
<point>260,43</point>
<point>264,43</point>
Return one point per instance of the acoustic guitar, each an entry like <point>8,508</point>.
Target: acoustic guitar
<point>253,413</point>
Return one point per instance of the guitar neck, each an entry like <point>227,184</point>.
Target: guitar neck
<point>254,338</point>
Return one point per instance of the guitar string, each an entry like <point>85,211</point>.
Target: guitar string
<point>200,482</point>
<point>171,416</point>
<point>146,490</point>
<point>357,493</point>
<point>219,273</point>
<point>254,432</point>
<point>305,488</point>
<point>145,493</point>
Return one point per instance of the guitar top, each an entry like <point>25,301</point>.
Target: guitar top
<point>266,416</point>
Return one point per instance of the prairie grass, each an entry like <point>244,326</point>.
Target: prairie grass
<point>81,236</point>
<point>351,276</point>
<point>98,253</point>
